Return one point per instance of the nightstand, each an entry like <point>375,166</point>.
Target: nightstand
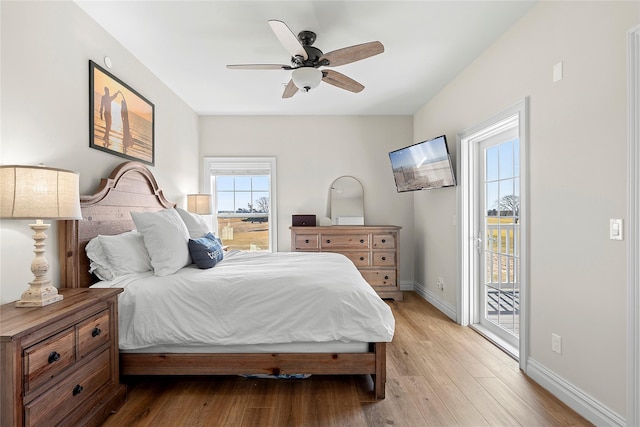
<point>59,363</point>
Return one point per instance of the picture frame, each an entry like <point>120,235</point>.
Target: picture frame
<point>121,121</point>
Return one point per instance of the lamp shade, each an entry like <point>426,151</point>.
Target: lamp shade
<point>37,192</point>
<point>306,78</point>
<point>199,203</point>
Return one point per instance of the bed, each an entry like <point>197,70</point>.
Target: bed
<point>131,187</point>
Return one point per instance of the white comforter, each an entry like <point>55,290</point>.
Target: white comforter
<point>252,298</point>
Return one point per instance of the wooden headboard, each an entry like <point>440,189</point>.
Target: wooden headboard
<point>130,187</point>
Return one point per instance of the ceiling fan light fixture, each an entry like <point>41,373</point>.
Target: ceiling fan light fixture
<point>306,78</point>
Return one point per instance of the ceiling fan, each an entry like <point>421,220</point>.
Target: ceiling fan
<point>306,60</point>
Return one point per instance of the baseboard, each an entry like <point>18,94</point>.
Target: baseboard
<point>576,399</point>
<point>436,300</point>
<point>406,285</point>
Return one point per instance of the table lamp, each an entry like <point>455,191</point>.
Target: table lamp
<point>199,204</point>
<point>38,192</point>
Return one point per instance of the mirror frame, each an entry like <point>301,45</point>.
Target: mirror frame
<point>354,215</point>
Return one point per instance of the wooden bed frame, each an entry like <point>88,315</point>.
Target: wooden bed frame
<point>132,187</point>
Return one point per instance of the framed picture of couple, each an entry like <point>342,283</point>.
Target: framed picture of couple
<point>121,121</point>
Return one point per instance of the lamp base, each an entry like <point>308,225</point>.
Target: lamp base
<point>39,295</point>
<point>40,292</point>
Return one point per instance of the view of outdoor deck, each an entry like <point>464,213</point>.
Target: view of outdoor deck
<point>502,273</point>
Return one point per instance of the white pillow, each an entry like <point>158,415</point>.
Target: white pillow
<point>126,253</point>
<point>166,238</point>
<point>98,261</point>
<point>117,255</point>
<point>196,225</point>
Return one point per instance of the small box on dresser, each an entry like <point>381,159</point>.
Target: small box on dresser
<point>375,251</point>
<point>59,363</point>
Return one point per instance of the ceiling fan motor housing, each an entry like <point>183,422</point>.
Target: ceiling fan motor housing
<point>313,58</point>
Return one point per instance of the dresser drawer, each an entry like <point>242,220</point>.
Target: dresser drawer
<point>73,392</point>
<point>359,258</point>
<point>384,241</point>
<point>47,359</point>
<point>306,241</point>
<point>347,241</point>
<point>380,277</point>
<point>93,332</point>
<point>384,259</point>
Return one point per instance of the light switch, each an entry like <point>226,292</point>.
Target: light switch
<point>557,72</point>
<point>615,229</point>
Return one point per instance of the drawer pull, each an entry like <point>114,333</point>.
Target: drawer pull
<point>328,241</point>
<point>384,258</point>
<point>54,356</point>
<point>96,331</point>
<point>306,241</point>
<point>77,389</point>
<point>384,241</point>
<point>361,240</point>
<point>386,277</point>
<point>361,258</point>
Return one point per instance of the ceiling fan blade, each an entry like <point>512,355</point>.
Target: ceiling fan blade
<point>288,39</point>
<point>259,67</point>
<point>351,54</point>
<point>340,80</point>
<point>290,90</point>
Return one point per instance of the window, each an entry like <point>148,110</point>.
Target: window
<point>243,192</point>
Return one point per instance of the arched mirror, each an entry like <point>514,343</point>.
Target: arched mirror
<point>347,201</point>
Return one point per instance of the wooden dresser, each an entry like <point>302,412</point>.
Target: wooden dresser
<point>59,363</point>
<point>375,250</point>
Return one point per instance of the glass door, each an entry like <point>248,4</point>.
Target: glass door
<point>498,241</point>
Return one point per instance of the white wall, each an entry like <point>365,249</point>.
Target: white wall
<point>45,52</point>
<point>577,179</point>
<point>311,152</point>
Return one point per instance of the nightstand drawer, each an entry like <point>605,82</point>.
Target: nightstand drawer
<point>92,333</point>
<point>46,359</point>
<point>73,392</point>
<point>380,277</point>
<point>384,259</point>
<point>307,241</point>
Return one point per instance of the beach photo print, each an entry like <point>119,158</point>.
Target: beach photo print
<point>121,121</point>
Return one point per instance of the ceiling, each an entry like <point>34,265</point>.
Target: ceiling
<point>187,45</point>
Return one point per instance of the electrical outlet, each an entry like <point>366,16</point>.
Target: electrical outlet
<point>556,343</point>
<point>441,283</point>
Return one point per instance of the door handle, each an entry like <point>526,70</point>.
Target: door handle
<point>478,242</point>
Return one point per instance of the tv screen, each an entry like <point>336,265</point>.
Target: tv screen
<point>423,166</point>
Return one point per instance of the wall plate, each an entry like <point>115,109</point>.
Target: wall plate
<point>615,229</point>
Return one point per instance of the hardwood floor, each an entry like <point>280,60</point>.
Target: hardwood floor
<point>438,374</point>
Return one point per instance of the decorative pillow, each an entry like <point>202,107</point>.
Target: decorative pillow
<point>126,253</point>
<point>206,251</point>
<point>98,261</point>
<point>165,237</point>
<point>196,225</point>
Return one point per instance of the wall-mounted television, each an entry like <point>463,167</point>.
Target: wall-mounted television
<point>423,166</point>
